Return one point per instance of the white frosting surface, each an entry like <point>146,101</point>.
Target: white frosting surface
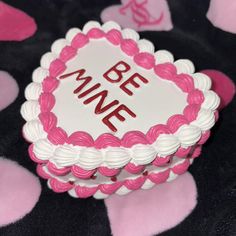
<point>152,103</point>
<point>150,110</point>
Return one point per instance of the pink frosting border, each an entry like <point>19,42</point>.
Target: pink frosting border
<point>146,60</point>
<point>131,184</point>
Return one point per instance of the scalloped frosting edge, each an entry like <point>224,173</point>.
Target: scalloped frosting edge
<point>180,132</point>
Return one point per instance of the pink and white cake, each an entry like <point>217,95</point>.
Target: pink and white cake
<point>106,114</point>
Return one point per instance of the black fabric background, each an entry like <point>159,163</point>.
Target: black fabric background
<point>193,37</point>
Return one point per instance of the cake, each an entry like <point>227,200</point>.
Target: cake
<point>107,114</point>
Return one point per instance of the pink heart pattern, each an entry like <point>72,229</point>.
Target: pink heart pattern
<point>19,191</point>
<point>8,89</point>
<point>222,14</point>
<point>149,212</point>
<point>15,25</point>
<point>140,15</point>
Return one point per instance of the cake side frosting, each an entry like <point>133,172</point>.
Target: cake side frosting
<point>83,155</point>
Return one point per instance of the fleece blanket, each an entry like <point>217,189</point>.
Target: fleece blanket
<point>201,202</point>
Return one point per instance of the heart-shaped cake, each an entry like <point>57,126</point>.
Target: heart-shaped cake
<point>107,114</point>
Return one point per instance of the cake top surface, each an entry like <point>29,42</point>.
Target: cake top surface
<point>105,96</point>
<point>147,100</point>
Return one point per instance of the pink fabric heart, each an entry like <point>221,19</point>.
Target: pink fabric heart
<point>8,89</point>
<point>149,212</point>
<point>222,14</point>
<point>19,191</point>
<point>222,85</point>
<point>15,25</point>
<point>140,15</point>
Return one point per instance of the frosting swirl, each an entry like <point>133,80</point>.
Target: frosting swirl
<point>33,91</point>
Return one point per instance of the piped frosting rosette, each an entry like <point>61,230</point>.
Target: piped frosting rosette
<point>85,166</point>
